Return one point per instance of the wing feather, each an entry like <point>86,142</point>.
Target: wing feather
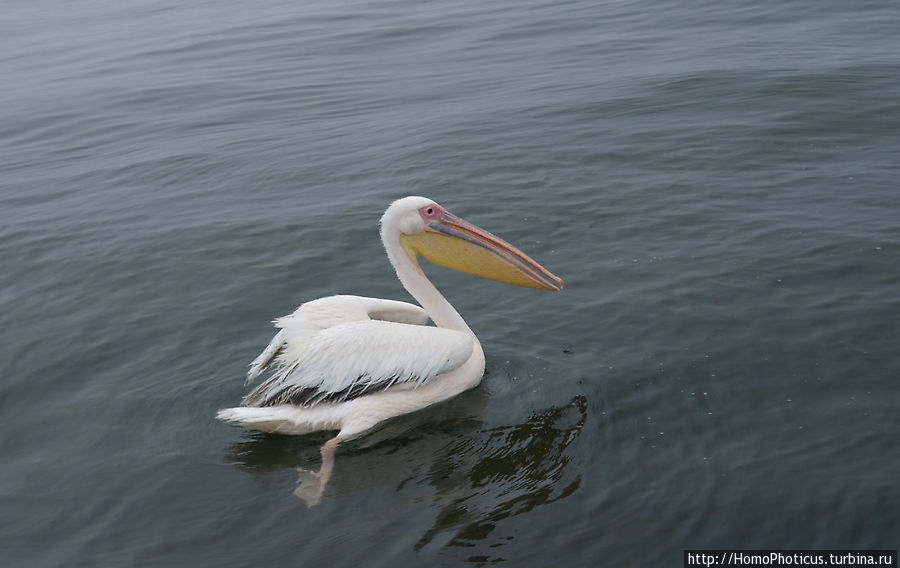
<point>265,359</point>
<point>328,312</point>
<point>355,358</point>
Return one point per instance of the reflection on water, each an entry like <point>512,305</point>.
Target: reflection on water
<point>479,476</point>
<point>504,472</point>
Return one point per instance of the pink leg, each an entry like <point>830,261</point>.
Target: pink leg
<point>312,484</point>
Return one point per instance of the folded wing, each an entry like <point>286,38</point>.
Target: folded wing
<point>341,347</point>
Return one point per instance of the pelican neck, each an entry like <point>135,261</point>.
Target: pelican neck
<point>413,278</point>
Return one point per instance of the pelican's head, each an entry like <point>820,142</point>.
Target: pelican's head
<point>427,229</point>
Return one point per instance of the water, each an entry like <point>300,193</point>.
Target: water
<point>715,181</point>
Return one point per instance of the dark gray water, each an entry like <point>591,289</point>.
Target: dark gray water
<point>716,181</point>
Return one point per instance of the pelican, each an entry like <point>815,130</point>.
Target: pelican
<point>348,363</point>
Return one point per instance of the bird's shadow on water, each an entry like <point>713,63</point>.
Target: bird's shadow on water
<point>479,475</point>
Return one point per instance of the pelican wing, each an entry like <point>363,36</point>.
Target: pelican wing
<point>392,310</point>
<point>356,358</point>
<point>328,312</point>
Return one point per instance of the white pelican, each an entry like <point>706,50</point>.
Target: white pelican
<point>348,363</point>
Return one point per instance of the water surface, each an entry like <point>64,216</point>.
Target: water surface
<point>715,181</point>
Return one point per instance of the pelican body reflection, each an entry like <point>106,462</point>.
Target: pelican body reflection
<point>475,477</point>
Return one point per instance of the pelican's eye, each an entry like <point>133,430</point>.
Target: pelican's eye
<point>431,212</point>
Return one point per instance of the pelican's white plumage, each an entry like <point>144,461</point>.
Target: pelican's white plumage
<point>340,347</point>
<point>347,363</point>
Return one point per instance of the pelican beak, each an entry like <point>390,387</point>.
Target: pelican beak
<point>451,242</point>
